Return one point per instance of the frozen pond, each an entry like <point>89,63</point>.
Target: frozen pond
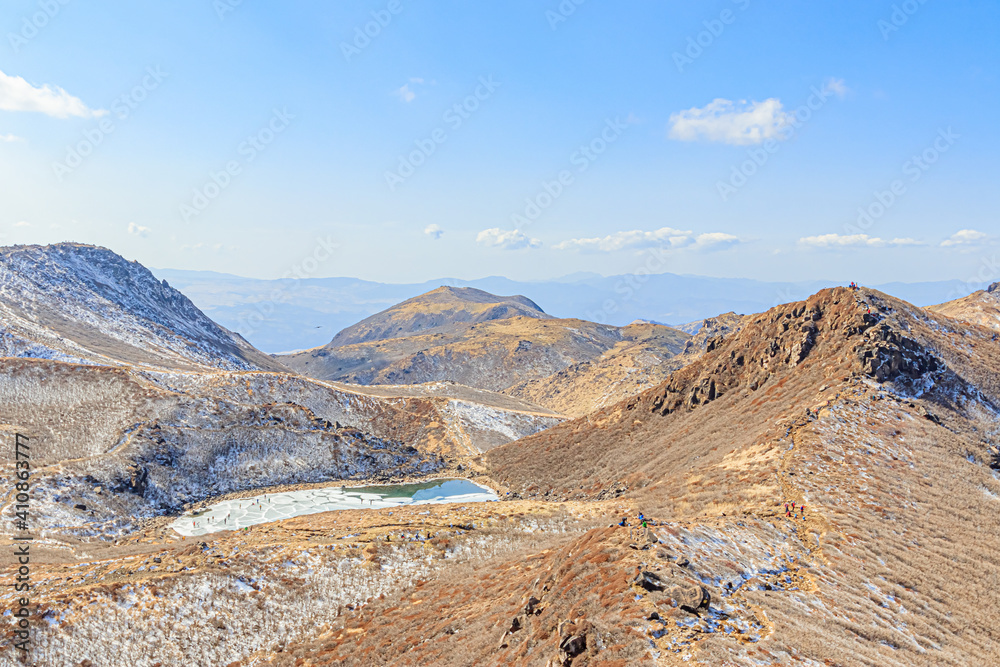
<point>243,512</point>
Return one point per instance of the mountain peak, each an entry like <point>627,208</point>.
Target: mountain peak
<point>439,310</point>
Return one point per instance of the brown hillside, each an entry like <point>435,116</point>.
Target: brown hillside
<point>490,343</point>
<point>644,358</point>
<point>982,308</point>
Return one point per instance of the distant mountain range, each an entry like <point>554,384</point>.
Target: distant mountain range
<point>288,315</point>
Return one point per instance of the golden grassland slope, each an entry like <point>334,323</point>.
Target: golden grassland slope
<point>438,309</point>
<point>982,308</point>
<point>884,423</point>
<point>645,356</point>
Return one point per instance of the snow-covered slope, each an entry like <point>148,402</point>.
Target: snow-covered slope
<point>82,303</point>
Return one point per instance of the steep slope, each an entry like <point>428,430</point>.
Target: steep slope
<point>153,441</point>
<point>982,308</point>
<point>83,303</point>
<point>489,342</point>
<point>879,417</point>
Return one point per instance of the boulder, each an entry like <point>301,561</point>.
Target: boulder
<point>572,646</point>
<point>691,598</point>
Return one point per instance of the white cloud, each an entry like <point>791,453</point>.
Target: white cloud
<point>9,138</point>
<point>965,237</point>
<point>742,123</point>
<point>22,223</point>
<point>513,239</point>
<point>434,231</point>
<point>637,239</point>
<point>715,241</point>
<point>854,241</point>
<point>406,94</point>
<point>138,230</point>
<point>16,94</point>
<point>731,123</point>
<point>837,87</point>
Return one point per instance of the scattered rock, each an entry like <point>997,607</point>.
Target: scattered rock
<point>649,581</point>
<point>531,607</point>
<point>82,508</point>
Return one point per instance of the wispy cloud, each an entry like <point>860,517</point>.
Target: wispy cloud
<point>434,231</point>
<point>22,223</point>
<point>665,237</point>
<point>405,93</point>
<point>510,239</point>
<point>16,94</point>
<point>966,237</point>
<point>837,87</point>
<point>138,230</point>
<point>854,241</point>
<point>9,138</point>
<point>729,122</point>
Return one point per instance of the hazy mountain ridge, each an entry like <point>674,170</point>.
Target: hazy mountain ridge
<point>284,315</point>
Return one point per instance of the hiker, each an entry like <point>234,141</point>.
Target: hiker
<point>623,522</point>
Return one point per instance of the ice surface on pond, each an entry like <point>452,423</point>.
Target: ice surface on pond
<point>243,512</point>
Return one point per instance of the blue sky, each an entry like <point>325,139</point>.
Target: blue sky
<point>247,137</point>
